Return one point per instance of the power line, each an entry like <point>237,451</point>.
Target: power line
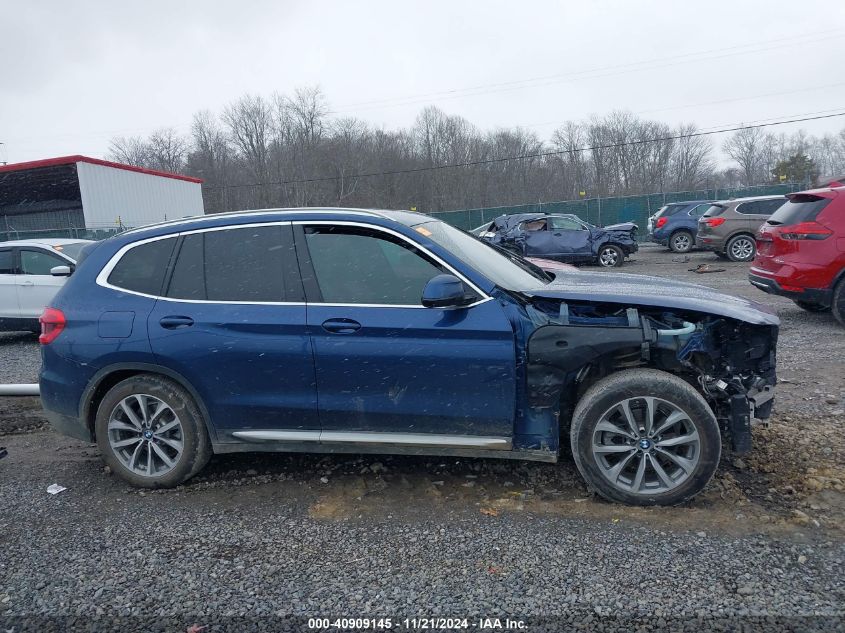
<point>504,159</point>
<point>593,73</point>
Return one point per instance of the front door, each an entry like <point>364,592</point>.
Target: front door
<point>36,286</point>
<point>232,322</point>
<point>8,288</point>
<point>386,364</point>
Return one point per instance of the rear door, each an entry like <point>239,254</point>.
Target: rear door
<point>36,286</point>
<point>9,308</point>
<point>232,322</point>
<point>389,369</point>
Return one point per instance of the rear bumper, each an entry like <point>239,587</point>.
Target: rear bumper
<point>710,243</point>
<point>68,425</point>
<point>821,296</point>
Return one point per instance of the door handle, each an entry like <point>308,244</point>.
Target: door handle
<point>341,326</point>
<point>175,322</point>
<point>27,283</point>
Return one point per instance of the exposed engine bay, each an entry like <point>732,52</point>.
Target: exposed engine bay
<point>730,362</point>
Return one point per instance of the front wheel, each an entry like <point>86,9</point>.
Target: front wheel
<point>838,304</point>
<point>610,256</point>
<point>681,242</point>
<point>151,432</point>
<point>741,248</point>
<point>645,437</point>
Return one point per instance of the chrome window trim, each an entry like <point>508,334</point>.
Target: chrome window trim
<point>102,277</point>
<point>241,214</point>
<point>484,296</point>
<point>376,437</point>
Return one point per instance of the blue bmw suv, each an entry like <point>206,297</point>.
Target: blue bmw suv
<point>338,330</point>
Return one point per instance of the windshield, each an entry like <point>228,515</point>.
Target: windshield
<point>506,270</point>
<point>714,210</point>
<point>799,208</point>
<point>71,249</point>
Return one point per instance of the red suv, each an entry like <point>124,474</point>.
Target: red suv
<point>801,251</point>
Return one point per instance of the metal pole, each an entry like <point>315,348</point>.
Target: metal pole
<point>20,390</point>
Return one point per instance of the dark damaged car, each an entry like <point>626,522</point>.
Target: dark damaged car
<point>355,331</point>
<point>563,237</point>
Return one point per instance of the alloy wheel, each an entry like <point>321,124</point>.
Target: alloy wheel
<point>608,257</point>
<point>742,248</point>
<point>681,243</point>
<point>646,445</point>
<point>146,435</point>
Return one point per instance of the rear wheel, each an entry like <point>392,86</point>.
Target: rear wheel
<point>645,437</point>
<point>838,303</point>
<point>151,432</point>
<point>610,256</point>
<point>810,307</point>
<point>741,248</point>
<point>681,242</point>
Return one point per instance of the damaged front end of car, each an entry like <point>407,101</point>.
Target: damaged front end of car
<point>573,343</point>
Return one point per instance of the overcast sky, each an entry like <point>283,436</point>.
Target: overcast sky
<point>75,74</point>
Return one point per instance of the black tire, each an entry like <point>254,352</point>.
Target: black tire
<point>610,256</point>
<point>838,302</point>
<point>196,445</point>
<point>810,307</point>
<point>681,242</point>
<point>604,396</point>
<point>741,248</point>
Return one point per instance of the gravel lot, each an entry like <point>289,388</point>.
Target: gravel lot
<point>258,542</point>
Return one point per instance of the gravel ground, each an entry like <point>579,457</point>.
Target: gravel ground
<point>257,542</point>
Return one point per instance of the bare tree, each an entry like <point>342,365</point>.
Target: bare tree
<point>131,151</point>
<point>745,147</point>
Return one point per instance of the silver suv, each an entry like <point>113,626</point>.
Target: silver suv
<point>728,226</point>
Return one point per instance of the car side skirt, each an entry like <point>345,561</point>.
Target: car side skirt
<point>381,449</point>
<point>370,437</point>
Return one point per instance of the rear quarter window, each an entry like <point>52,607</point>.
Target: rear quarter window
<point>760,207</point>
<point>142,268</point>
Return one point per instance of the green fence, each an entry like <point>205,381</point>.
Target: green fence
<point>604,211</point>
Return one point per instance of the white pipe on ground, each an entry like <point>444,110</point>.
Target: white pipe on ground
<point>20,390</point>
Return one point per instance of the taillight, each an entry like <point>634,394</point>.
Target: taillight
<point>714,222</point>
<point>661,222</point>
<point>805,231</point>
<point>52,323</point>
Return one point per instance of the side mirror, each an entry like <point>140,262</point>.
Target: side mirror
<point>445,291</point>
<point>61,271</point>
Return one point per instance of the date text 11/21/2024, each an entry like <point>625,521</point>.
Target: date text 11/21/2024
<point>416,623</point>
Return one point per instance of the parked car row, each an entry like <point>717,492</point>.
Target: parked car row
<point>796,241</point>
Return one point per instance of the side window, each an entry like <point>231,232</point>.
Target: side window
<point>698,211</point>
<point>359,266</point>
<point>566,224</point>
<point>238,264</point>
<point>142,269</point>
<point>751,208</point>
<point>534,225</point>
<point>7,262</point>
<point>39,262</point>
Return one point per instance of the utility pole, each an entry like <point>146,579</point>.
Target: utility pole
<point>3,162</point>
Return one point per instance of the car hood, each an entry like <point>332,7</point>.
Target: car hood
<point>642,290</point>
<point>622,226</point>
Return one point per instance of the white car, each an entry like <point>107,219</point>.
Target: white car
<point>26,283</point>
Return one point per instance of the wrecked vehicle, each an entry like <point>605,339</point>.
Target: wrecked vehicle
<point>562,237</point>
<point>390,332</point>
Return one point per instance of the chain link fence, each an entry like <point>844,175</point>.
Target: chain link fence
<point>604,211</point>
